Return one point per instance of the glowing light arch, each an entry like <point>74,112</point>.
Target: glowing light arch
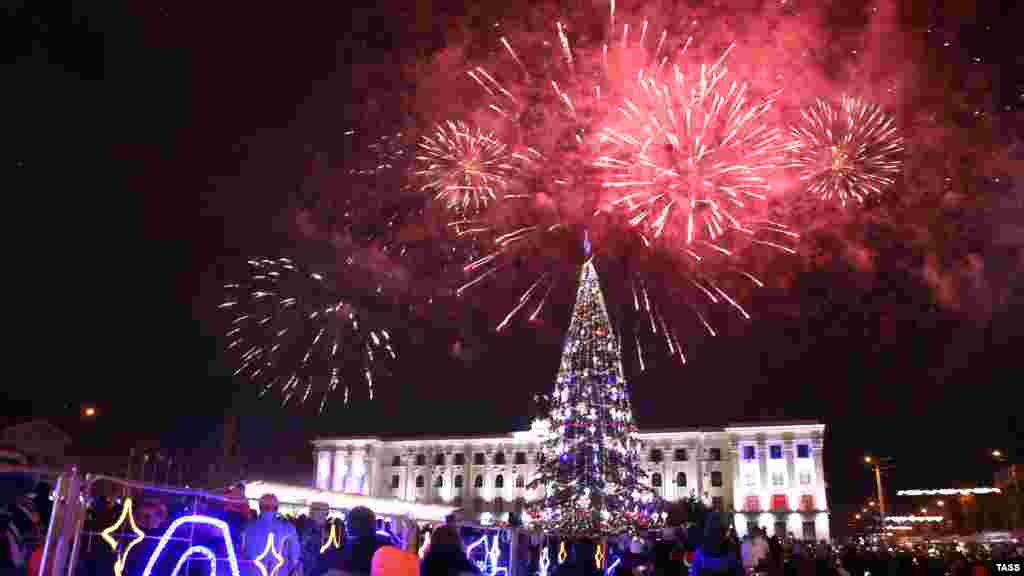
<point>194,519</point>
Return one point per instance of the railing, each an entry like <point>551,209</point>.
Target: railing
<point>106,526</point>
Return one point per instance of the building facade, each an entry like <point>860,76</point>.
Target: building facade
<point>770,476</point>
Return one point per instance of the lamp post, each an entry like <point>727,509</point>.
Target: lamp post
<point>876,465</point>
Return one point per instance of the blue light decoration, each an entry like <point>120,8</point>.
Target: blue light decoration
<point>545,562</point>
<point>196,519</point>
<point>492,555</point>
<point>271,551</point>
<point>613,566</point>
<point>196,549</point>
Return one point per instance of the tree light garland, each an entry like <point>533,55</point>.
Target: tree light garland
<point>949,492</point>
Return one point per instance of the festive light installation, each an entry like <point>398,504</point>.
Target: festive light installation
<point>270,551</point>
<point>332,539</point>
<point>913,519</point>
<point>203,550</point>
<point>599,556</point>
<point>126,516</point>
<point>613,566</point>
<point>545,562</point>
<point>562,553</point>
<point>220,525</point>
<point>591,475</point>
<point>949,492</point>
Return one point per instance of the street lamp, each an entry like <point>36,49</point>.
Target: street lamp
<point>997,454</point>
<point>878,483</point>
<point>940,503</point>
<point>924,510</point>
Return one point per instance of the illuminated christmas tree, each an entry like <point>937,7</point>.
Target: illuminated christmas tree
<point>590,478</point>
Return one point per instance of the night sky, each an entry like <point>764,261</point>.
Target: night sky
<point>175,141</point>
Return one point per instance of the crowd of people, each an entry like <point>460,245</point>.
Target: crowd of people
<point>363,545</point>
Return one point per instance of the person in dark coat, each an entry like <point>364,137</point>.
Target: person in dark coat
<point>361,542</point>
<point>445,556</point>
<point>714,555</point>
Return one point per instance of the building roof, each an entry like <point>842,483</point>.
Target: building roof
<point>741,428</point>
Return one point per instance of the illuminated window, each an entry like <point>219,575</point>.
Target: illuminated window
<point>656,480</point>
<point>809,533</point>
<point>778,479</point>
<point>520,482</point>
<point>775,452</point>
<point>807,502</point>
<point>458,481</point>
<point>394,481</point>
<point>499,458</point>
<point>439,460</point>
<point>681,479</point>
<point>803,451</point>
<point>520,457</point>
<point>460,459</point>
<point>805,477</point>
<point>680,455</point>
<point>752,504</point>
<point>396,460</point>
<point>419,481</point>
<point>478,482</point>
<point>656,455</point>
<point>716,478</point>
<point>714,454</point>
<point>749,453</point>
<point>439,482</point>
<point>421,460</point>
<point>779,502</point>
<point>478,459</point>
<point>750,479</point>
<point>499,481</point>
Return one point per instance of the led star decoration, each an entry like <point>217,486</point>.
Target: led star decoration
<point>599,556</point>
<point>107,535</point>
<point>269,550</point>
<point>562,553</point>
<point>332,538</point>
<point>220,525</point>
<point>203,550</point>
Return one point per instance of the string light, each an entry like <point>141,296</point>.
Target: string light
<point>195,519</point>
<point>202,550</point>
<point>126,516</point>
<point>270,550</point>
<point>949,492</point>
<point>904,519</point>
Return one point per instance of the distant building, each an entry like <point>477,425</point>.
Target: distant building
<point>769,475</point>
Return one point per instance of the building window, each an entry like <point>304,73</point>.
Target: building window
<point>458,481</point>
<point>457,501</point>
<point>479,482</point>
<point>716,503</point>
<point>478,504</point>
<point>809,533</point>
<point>439,482</point>
<point>421,459</point>
<point>656,480</point>
<point>499,505</point>
<point>779,503</point>
<point>750,479</point>
<point>714,454</point>
<point>775,452</point>
<point>778,479</point>
<point>520,457</point>
<point>396,460</point>
<point>541,458</point>
<point>681,479</point>
<point>716,478</point>
<point>749,453</point>
<point>460,459</point>
<point>679,455</point>
<point>478,459</point>
<point>656,455</point>
<point>805,477</point>
<point>419,481</point>
<point>439,460</point>
<point>499,458</point>
<point>752,504</point>
<point>394,481</point>
<point>520,482</point>
<point>499,481</point>
<point>807,502</point>
<point>803,451</point>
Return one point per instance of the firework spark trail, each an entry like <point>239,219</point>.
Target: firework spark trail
<point>465,168</point>
<point>298,334</point>
<point>847,152</point>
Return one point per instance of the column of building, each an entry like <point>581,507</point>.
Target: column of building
<point>734,460</point>
<point>339,470</point>
<point>762,464</point>
<point>820,497</point>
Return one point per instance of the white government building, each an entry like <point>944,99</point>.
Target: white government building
<point>770,475</point>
